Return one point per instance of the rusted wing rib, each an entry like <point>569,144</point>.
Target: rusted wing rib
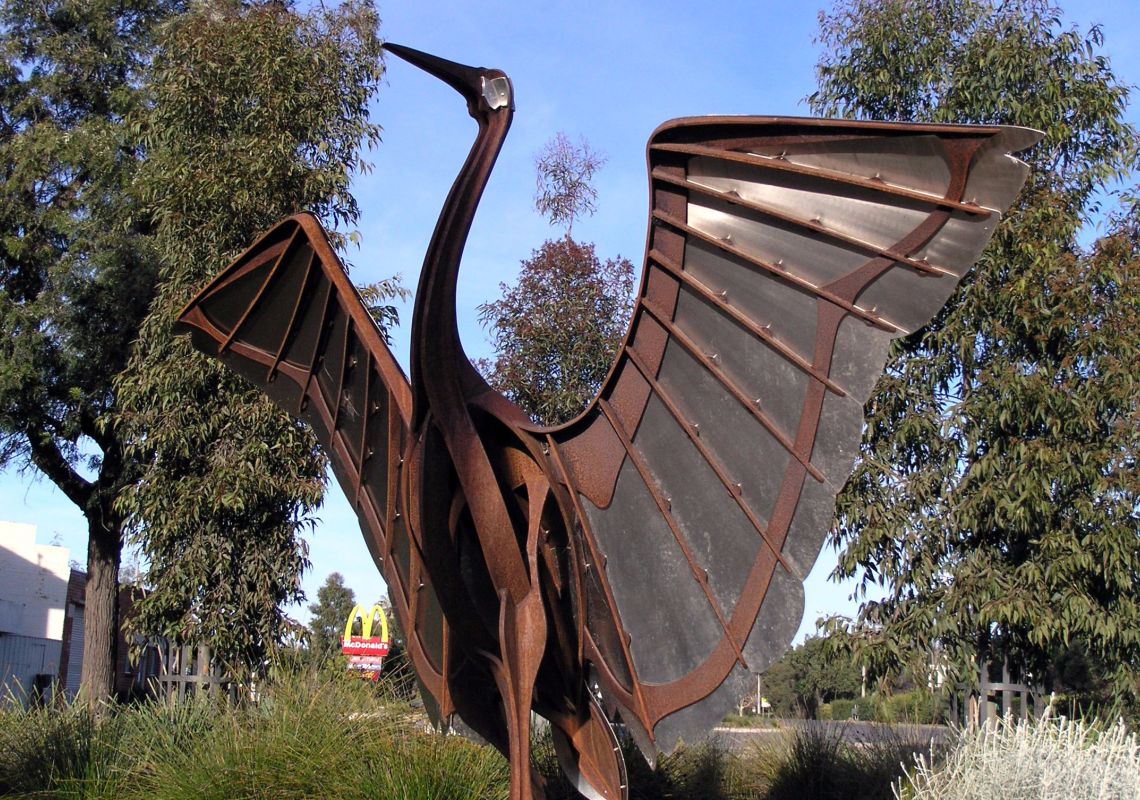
<point>757,329</point>
<point>336,288</point>
<point>810,226</point>
<point>692,431</point>
<point>753,405</point>
<point>777,164</point>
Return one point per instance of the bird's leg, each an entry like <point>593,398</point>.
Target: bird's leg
<point>588,752</point>
<point>522,637</point>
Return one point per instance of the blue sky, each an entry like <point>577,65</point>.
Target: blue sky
<point>611,72</point>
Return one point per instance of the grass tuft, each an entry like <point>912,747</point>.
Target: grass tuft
<point>43,747</point>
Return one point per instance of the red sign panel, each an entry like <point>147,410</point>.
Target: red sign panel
<point>361,646</point>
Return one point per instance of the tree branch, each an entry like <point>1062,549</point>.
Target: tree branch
<point>48,459</point>
<point>89,427</point>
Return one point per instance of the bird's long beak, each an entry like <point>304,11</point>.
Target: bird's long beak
<point>460,77</point>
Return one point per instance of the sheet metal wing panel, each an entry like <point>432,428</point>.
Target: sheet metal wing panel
<point>783,257</point>
<point>285,316</point>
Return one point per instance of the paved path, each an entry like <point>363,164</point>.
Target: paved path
<point>857,733</point>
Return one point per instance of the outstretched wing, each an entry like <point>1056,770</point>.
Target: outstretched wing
<point>285,316</point>
<point>783,257</point>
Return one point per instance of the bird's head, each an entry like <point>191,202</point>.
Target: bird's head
<point>487,91</point>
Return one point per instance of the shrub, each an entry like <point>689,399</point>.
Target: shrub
<point>748,721</point>
<point>840,709</point>
<point>916,707</point>
<point>1050,759</point>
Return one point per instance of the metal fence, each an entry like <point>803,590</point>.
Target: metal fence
<point>995,699</point>
<point>28,665</point>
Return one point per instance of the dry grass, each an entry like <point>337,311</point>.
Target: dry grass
<point>1048,759</point>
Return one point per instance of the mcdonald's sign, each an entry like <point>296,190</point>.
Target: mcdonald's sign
<point>366,651</point>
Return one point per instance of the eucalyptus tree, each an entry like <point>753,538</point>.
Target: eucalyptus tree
<point>143,142</point>
<point>258,112</point>
<point>995,499</point>
<point>335,602</point>
<point>77,263</point>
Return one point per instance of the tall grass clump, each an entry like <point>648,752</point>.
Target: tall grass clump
<point>433,767</point>
<point>42,747</point>
<point>1047,759</point>
<point>820,763</point>
<point>316,737</point>
<point>301,739</point>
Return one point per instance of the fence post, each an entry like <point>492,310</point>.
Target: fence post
<point>1006,694</point>
<point>984,689</point>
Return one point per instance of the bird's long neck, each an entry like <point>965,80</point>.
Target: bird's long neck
<point>438,364</point>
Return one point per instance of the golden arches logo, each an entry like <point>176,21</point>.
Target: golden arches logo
<point>368,619</point>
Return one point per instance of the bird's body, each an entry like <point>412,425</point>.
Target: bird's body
<point>644,559</point>
<point>479,493</point>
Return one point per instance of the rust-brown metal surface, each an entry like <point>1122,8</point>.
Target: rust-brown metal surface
<point>645,559</point>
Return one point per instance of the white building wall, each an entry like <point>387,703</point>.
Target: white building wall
<point>33,590</point>
<point>33,583</point>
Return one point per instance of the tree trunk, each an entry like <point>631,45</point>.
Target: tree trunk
<point>104,543</point>
<point>101,606</point>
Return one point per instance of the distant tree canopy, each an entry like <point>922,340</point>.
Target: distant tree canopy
<point>557,330</point>
<point>996,496</point>
<point>809,675</point>
<point>564,173</point>
<point>335,602</point>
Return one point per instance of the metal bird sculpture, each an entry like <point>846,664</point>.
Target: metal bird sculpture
<point>643,560</point>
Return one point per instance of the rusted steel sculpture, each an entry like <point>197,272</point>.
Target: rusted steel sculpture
<point>642,560</point>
